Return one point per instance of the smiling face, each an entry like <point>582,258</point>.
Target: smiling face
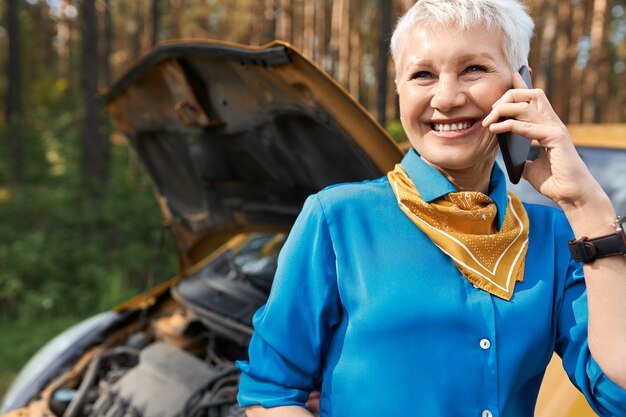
<point>447,81</point>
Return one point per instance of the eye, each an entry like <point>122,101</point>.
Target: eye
<point>474,69</point>
<point>420,75</point>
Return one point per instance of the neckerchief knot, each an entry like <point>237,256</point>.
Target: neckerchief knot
<point>463,226</point>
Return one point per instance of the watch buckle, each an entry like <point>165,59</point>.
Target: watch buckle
<point>586,249</point>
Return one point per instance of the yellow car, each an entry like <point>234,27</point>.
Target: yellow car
<point>234,138</point>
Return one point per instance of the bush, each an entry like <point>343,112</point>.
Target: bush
<point>68,254</point>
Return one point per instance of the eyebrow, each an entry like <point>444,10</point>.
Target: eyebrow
<point>463,59</point>
<point>482,55</point>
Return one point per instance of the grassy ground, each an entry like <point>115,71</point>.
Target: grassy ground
<point>20,341</point>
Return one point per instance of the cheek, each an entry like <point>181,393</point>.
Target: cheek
<point>484,95</point>
<point>406,113</point>
<point>412,105</point>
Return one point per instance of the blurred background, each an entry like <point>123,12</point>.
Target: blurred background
<point>79,228</point>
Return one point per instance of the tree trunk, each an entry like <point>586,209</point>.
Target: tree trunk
<point>46,28</point>
<point>104,10</point>
<point>383,61</point>
<point>309,29</point>
<point>156,22</point>
<point>343,69</point>
<point>546,48</point>
<point>62,41</point>
<point>254,13</point>
<point>319,51</point>
<point>297,19</point>
<point>536,9</point>
<point>592,106</point>
<point>271,8</point>
<point>605,71</point>
<point>577,27</point>
<point>283,21</point>
<point>137,38</point>
<point>13,109</point>
<point>176,13</point>
<point>621,98</point>
<point>335,35</point>
<point>93,155</point>
<point>144,15</point>
<point>355,51</point>
<point>398,8</point>
<point>562,64</point>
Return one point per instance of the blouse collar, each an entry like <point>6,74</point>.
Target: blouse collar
<point>432,184</point>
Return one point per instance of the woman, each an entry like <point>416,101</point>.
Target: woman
<point>431,291</point>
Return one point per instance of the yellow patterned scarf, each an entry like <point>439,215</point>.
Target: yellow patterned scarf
<point>463,226</point>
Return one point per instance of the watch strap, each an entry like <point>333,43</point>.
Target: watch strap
<point>587,250</point>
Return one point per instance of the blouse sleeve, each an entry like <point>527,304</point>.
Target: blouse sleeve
<point>293,330</point>
<point>604,396</point>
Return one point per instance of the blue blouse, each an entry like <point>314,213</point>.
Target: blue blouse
<point>365,302</point>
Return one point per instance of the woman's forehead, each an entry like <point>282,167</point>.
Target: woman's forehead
<point>452,44</point>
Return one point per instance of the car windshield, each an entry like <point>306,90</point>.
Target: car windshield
<point>607,165</point>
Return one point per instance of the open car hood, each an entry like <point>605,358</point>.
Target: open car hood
<point>236,137</point>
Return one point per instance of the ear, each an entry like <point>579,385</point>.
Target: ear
<point>530,70</point>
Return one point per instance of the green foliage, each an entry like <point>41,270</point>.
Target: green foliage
<point>19,343</point>
<point>395,129</point>
<point>47,132</point>
<point>67,254</point>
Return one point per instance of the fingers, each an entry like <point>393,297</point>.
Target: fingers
<point>547,134</point>
<point>522,104</point>
<point>526,129</point>
<point>518,81</point>
<point>506,110</point>
<point>313,403</point>
<point>521,95</point>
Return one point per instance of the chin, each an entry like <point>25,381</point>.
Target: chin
<point>457,158</point>
<point>459,161</point>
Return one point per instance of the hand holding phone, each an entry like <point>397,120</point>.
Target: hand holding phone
<point>515,148</point>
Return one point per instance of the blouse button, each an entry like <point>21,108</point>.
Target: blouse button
<point>485,344</point>
<point>487,413</point>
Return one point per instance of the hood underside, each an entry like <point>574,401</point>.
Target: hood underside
<point>235,138</point>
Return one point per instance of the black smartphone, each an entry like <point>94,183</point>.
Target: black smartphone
<point>514,147</point>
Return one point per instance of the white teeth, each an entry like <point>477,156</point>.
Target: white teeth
<point>441,127</point>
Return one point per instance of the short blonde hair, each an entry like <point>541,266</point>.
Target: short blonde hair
<point>509,16</point>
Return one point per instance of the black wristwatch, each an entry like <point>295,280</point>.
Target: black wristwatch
<point>587,250</point>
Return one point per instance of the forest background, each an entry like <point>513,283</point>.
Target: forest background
<point>79,228</point>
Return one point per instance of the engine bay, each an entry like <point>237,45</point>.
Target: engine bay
<point>176,356</point>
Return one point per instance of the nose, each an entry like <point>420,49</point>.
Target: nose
<point>447,94</point>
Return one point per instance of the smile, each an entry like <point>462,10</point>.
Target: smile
<point>451,127</point>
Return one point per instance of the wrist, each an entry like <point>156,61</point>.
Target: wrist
<point>593,217</point>
<point>587,250</point>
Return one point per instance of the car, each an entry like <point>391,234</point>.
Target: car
<point>234,138</point>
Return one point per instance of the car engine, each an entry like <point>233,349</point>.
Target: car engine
<point>177,357</point>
